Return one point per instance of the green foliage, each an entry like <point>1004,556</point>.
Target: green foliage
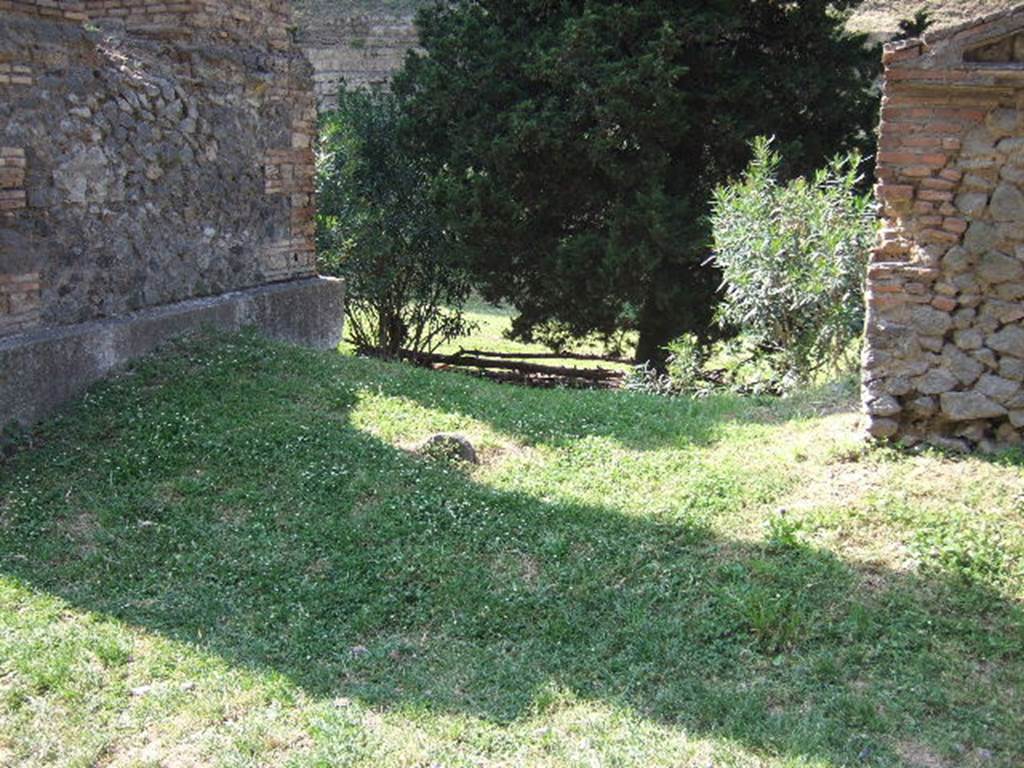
<point>576,144</point>
<point>375,227</point>
<point>783,532</point>
<point>684,372</point>
<point>915,27</point>
<point>793,259</point>
<point>958,545</point>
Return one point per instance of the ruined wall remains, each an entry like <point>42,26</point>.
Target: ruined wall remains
<point>362,42</point>
<point>362,50</point>
<point>944,357</point>
<point>158,154</point>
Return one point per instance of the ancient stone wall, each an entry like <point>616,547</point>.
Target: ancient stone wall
<point>944,357</point>
<point>361,42</point>
<point>361,50</point>
<point>159,153</point>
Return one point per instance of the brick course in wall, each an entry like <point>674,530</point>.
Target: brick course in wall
<point>249,21</point>
<point>12,180</point>
<point>944,355</point>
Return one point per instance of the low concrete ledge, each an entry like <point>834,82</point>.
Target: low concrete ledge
<point>41,369</point>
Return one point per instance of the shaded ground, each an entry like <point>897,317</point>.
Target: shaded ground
<point>231,556</point>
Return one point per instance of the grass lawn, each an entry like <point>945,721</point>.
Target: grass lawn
<point>490,325</point>
<point>230,556</point>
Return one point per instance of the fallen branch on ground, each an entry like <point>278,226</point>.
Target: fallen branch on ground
<point>545,356</point>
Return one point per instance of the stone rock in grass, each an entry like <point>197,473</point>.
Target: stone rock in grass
<point>952,444</point>
<point>882,428</point>
<point>450,446</point>
<point>968,406</point>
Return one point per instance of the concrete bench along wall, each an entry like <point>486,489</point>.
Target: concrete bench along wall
<point>944,356</point>
<point>156,173</point>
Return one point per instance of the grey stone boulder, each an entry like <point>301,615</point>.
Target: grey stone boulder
<point>1006,435</point>
<point>1008,341</point>
<point>979,141</point>
<point>935,382</point>
<point>922,406</point>
<point>886,405</point>
<point>882,428</point>
<point>1002,311</point>
<point>997,388</point>
<point>1002,122</point>
<point>980,237</point>
<point>1011,368</point>
<point>969,338</point>
<point>1007,203</point>
<point>964,368</point>
<point>1012,173</point>
<point>996,267</point>
<point>968,406</point>
<point>957,259</point>
<point>929,321</point>
<point>971,203</point>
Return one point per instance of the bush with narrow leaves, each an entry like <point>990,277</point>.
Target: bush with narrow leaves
<point>793,258</point>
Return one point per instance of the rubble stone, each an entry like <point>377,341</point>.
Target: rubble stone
<point>949,317</point>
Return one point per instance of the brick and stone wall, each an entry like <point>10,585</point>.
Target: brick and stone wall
<point>361,50</point>
<point>944,356</point>
<point>362,42</point>
<point>159,153</point>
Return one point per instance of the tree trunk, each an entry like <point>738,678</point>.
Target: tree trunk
<point>656,330</point>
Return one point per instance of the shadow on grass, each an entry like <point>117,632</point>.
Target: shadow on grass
<point>260,525</point>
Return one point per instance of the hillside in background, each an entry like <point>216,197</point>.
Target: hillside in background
<point>883,16</point>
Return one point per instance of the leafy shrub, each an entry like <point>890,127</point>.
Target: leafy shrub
<point>793,258</point>
<point>376,228</point>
